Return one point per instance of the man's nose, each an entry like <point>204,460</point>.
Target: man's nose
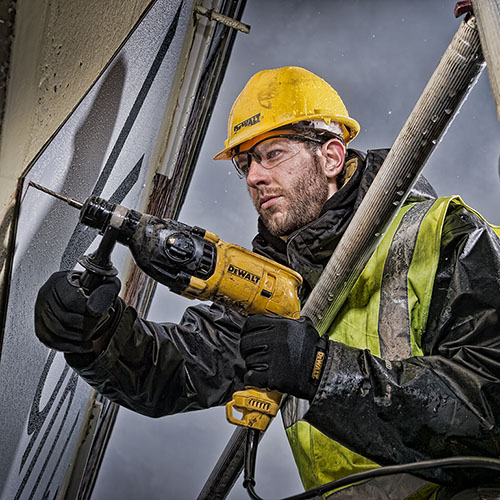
<point>257,174</point>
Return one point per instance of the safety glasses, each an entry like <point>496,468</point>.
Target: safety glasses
<point>270,152</point>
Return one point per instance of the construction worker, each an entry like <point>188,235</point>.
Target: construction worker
<point>411,363</point>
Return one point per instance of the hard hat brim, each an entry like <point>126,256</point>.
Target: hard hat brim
<point>350,126</point>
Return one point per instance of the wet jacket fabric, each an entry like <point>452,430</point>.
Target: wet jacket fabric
<point>444,400</point>
<point>385,315</point>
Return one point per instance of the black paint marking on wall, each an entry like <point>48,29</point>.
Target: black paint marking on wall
<point>37,417</point>
<point>82,238</point>
<point>127,184</point>
<point>70,389</point>
<point>69,392</point>
<point>63,451</point>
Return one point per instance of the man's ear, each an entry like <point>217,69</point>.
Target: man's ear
<point>334,155</point>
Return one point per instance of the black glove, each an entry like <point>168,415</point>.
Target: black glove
<point>283,354</point>
<point>67,320</point>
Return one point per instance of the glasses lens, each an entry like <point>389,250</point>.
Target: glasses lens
<point>275,151</point>
<point>269,153</point>
<point>240,162</point>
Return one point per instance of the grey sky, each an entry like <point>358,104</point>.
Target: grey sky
<point>378,56</point>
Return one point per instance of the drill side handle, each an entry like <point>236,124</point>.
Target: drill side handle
<point>97,265</point>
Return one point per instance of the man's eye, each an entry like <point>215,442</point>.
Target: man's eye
<point>273,154</point>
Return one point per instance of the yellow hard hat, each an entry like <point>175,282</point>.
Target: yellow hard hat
<point>276,97</point>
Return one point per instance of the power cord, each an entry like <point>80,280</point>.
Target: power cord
<point>252,441</point>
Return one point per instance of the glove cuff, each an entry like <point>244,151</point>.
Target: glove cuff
<point>105,331</point>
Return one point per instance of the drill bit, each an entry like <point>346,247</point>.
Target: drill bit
<point>70,201</point>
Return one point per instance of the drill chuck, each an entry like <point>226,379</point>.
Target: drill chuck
<point>100,214</point>
<point>96,212</point>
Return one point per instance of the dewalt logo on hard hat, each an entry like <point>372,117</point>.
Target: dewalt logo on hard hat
<point>247,123</point>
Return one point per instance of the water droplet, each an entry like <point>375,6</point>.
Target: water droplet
<point>448,111</point>
<point>395,203</point>
<point>400,193</point>
<point>434,118</point>
<point>399,183</point>
<point>377,235</point>
<point>434,142</point>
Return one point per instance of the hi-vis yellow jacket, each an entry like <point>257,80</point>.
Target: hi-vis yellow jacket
<point>384,318</point>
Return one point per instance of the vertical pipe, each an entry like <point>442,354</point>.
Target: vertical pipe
<point>487,13</point>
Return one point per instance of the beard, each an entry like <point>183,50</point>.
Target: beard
<point>302,201</point>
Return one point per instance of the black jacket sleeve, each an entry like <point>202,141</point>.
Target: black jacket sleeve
<point>162,368</point>
<point>445,403</point>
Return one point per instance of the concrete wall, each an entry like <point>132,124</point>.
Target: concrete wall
<point>104,147</point>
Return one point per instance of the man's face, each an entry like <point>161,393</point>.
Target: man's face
<point>291,193</point>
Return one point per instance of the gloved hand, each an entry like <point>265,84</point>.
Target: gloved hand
<point>66,320</point>
<point>283,354</point>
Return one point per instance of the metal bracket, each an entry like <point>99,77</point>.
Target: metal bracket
<point>221,18</point>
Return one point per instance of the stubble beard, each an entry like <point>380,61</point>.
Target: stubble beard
<point>301,203</point>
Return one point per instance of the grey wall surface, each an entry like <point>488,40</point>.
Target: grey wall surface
<point>379,56</point>
<point>104,148</point>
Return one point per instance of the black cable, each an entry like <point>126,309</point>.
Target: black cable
<point>252,441</point>
<point>451,462</point>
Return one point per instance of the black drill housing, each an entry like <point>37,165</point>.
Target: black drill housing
<point>167,250</point>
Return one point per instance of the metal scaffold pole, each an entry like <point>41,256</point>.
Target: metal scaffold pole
<point>487,13</point>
